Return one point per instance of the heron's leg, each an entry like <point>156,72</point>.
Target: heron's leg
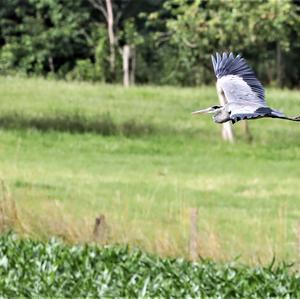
<point>227,132</point>
<point>246,130</point>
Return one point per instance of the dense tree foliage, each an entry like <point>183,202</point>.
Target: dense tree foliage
<point>173,38</point>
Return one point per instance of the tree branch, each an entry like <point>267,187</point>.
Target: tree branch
<point>98,4</point>
<point>118,17</point>
<point>86,36</point>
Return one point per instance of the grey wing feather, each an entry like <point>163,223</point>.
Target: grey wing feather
<point>239,94</point>
<point>259,113</point>
<point>237,66</point>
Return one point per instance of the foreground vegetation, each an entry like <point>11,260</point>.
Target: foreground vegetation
<point>29,268</point>
<point>72,151</point>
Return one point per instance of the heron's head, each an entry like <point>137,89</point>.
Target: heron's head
<point>220,113</point>
<point>212,109</point>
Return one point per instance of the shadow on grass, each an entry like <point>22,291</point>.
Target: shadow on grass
<point>77,123</point>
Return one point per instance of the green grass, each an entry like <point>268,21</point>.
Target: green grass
<point>34,269</point>
<point>143,162</point>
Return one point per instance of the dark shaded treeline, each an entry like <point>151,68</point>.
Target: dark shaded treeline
<point>173,39</point>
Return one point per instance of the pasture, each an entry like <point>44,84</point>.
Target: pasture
<point>72,151</point>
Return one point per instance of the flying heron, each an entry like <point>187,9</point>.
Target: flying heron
<point>242,93</point>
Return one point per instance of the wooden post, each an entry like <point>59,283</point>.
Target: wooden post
<point>298,244</point>
<point>227,132</point>
<point>99,228</point>
<point>193,242</point>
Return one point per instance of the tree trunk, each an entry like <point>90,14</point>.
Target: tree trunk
<point>279,64</point>
<point>126,55</point>
<point>51,64</point>
<point>227,132</point>
<point>132,65</point>
<point>111,35</point>
<point>128,65</point>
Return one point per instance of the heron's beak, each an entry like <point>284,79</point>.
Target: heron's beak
<point>207,110</point>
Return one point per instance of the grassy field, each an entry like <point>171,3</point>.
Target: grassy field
<point>72,151</point>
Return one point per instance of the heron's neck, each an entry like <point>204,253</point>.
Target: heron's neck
<point>221,115</point>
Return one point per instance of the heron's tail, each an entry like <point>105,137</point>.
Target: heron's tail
<point>278,114</point>
<point>293,118</point>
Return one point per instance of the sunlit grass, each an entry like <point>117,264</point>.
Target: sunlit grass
<point>145,183</point>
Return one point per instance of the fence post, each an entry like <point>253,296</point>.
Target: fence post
<point>99,228</point>
<point>298,244</point>
<point>193,242</point>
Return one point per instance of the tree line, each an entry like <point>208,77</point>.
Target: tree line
<point>149,41</point>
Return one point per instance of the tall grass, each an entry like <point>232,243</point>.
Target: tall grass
<point>53,219</point>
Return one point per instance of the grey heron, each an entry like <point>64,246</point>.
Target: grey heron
<point>242,93</point>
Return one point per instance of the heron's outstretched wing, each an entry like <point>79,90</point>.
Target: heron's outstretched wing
<point>238,81</point>
<point>244,94</point>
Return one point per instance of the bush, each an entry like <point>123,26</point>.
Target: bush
<point>85,70</point>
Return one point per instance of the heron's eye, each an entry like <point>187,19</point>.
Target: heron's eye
<point>216,107</point>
